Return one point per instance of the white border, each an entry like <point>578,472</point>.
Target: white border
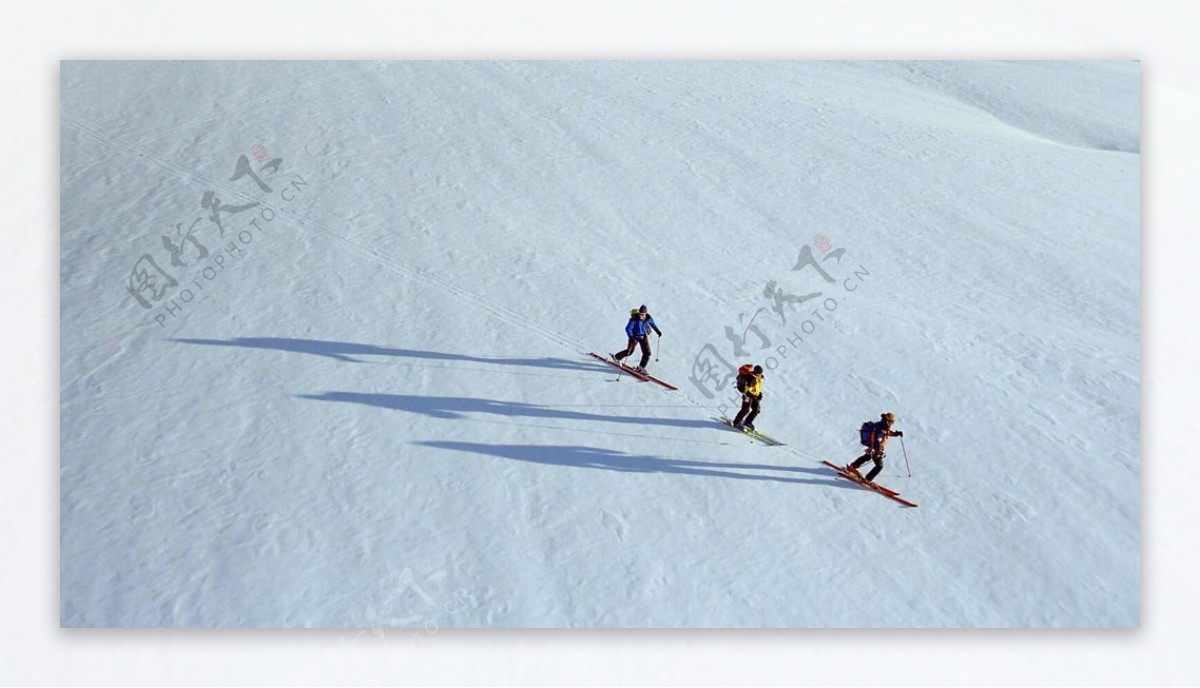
<point>35,36</point>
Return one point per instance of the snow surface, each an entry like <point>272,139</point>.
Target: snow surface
<point>375,410</point>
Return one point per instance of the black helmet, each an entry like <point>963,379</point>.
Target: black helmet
<point>643,309</point>
<point>758,370</point>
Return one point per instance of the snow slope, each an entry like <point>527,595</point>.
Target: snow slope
<point>369,404</point>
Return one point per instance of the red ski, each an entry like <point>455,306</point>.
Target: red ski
<point>857,477</point>
<point>644,377</point>
<point>859,480</point>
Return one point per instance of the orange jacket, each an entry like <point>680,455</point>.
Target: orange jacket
<point>880,434</point>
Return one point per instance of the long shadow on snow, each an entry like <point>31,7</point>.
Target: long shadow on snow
<point>459,407</point>
<point>593,457</point>
<point>345,351</point>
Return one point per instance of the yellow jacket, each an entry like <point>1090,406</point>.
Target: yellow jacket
<point>754,387</point>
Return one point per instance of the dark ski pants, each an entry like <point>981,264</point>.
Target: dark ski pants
<point>749,411</point>
<point>644,340</point>
<point>875,455</point>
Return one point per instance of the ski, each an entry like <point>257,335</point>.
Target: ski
<point>644,377</point>
<point>857,477</point>
<point>886,492</point>
<point>765,439</point>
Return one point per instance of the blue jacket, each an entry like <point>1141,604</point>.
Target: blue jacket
<point>640,328</point>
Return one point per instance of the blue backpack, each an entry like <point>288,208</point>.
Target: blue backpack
<point>865,432</point>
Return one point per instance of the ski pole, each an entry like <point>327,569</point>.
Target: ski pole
<point>902,448</point>
<point>658,348</point>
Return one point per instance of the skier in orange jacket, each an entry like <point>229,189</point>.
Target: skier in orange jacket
<point>874,436</point>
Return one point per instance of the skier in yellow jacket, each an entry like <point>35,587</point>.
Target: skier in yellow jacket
<point>749,383</point>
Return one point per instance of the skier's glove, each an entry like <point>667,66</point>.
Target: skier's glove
<point>899,433</point>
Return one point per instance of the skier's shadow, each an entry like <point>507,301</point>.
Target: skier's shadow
<point>606,459</point>
<point>460,407</point>
<point>347,351</point>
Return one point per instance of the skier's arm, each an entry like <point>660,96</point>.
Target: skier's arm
<point>650,322</point>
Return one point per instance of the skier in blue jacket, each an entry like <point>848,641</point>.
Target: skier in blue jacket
<point>638,330</point>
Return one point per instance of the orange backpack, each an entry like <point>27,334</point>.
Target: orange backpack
<point>745,376</point>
